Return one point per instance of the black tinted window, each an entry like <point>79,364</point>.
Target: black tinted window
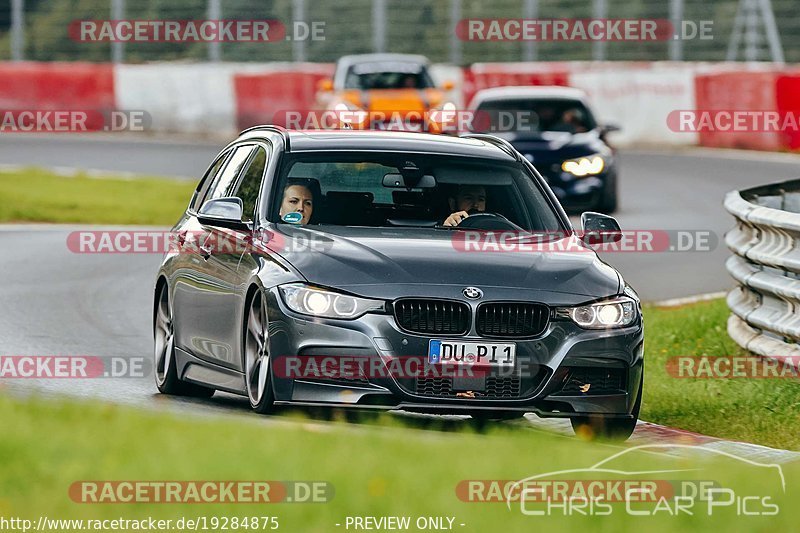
<point>208,179</point>
<point>224,182</point>
<point>370,76</point>
<point>359,189</point>
<point>535,114</point>
<point>250,184</point>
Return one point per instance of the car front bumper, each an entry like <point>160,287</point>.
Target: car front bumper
<point>566,371</point>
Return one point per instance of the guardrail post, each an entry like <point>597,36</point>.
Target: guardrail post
<point>214,12</point>
<point>530,11</point>
<point>600,11</point>
<point>117,47</point>
<point>18,30</point>
<point>379,26</point>
<point>455,42</point>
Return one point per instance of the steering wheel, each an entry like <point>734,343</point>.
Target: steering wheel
<point>488,221</point>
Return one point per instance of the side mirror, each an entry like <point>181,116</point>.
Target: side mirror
<point>599,228</point>
<point>448,85</point>
<point>325,85</point>
<point>223,212</point>
<point>609,128</point>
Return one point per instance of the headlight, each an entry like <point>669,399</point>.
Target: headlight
<point>584,166</point>
<point>321,303</point>
<point>349,113</point>
<point>618,312</point>
<point>443,117</point>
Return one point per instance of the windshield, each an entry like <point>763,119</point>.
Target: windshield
<point>397,189</point>
<point>536,115</point>
<point>369,76</point>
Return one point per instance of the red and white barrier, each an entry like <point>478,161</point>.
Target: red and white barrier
<point>489,75</point>
<point>221,99</point>
<point>739,91</point>
<point>86,87</point>
<point>639,101</point>
<point>265,97</point>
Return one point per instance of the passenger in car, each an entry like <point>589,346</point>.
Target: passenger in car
<point>469,199</point>
<point>299,197</point>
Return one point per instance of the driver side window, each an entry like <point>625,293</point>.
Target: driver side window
<point>249,184</point>
<point>205,184</point>
<point>223,183</point>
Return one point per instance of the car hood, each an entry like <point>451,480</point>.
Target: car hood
<point>555,145</point>
<point>389,262</point>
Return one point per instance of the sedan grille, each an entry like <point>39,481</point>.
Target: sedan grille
<point>497,387</point>
<point>441,317</point>
<point>512,319</point>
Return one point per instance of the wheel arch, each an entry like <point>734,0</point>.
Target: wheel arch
<point>161,282</point>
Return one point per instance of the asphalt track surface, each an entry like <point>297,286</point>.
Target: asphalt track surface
<point>59,303</point>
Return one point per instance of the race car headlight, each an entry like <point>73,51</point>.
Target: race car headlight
<point>349,113</point>
<point>322,303</point>
<point>443,116</point>
<point>618,312</point>
<point>584,166</point>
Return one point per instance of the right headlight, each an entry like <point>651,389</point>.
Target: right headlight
<point>589,165</point>
<point>351,114</point>
<point>313,301</point>
<point>618,312</point>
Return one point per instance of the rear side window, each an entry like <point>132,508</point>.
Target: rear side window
<point>208,179</point>
<point>223,183</point>
<point>249,184</point>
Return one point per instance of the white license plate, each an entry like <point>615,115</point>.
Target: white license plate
<point>471,353</point>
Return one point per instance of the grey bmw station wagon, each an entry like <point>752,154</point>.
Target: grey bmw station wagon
<point>394,270</point>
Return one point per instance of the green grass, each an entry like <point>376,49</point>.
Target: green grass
<point>36,195</point>
<point>763,411</point>
<point>46,445</point>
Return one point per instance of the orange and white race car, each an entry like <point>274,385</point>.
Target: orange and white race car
<point>386,91</point>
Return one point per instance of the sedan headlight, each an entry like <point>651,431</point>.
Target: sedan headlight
<point>311,301</point>
<point>618,312</point>
<point>584,166</point>
<point>350,114</point>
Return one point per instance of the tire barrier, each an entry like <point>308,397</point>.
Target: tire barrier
<point>765,304</point>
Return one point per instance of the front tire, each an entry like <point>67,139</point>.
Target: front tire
<point>257,368</point>
<point>608,203</point>
<point>164,365</point>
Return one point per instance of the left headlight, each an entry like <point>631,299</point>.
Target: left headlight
<point>312,301</point>
<point>618,312</point>
<point>584,166</point>
<point>351,114</point>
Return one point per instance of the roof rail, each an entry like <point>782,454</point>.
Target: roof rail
<point>503,144</point>
<point>271,127</point>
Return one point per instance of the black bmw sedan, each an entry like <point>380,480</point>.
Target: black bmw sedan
<point>556,130</point>
<point>384,270</point>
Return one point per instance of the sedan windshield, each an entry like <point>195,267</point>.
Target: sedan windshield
<point>413,190</point>
<point>536,115</point>
<point>369,76</point>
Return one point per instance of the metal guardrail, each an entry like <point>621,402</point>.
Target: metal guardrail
<point>765,305</point>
